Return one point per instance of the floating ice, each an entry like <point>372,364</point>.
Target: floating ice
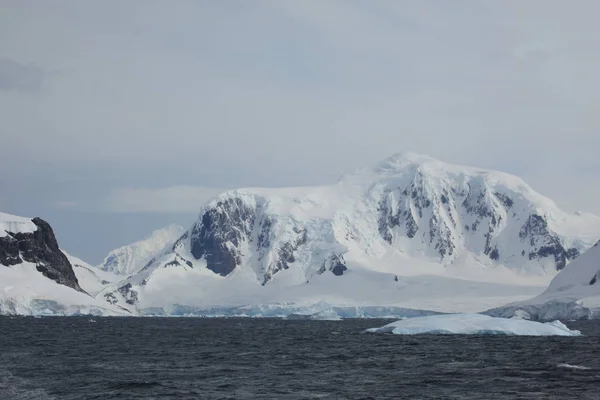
<point>474,324</point>
<point>326,315</point>
<point>571,366</point>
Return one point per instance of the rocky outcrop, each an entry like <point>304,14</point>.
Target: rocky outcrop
<point>232,225</point>
<point>285,254</point>
<point>218,235</point>
<point>545,244</point>
<point>335,263</point>
<point>40,248</point>
<point>447,215</point>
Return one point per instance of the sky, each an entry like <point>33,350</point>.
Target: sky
<point>120,117</point>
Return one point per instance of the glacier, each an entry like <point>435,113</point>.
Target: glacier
<point>291,310</point>
<point>474,324</point>
<point>574,293</point>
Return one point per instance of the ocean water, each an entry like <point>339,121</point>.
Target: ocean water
<point>194,358</point>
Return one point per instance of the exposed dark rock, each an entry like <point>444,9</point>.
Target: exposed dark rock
<point>411,226</point>
<point>40,248</point>
<point>173,263</point>
<point>230,221</point>
<point>535,226</point>
<point>475,204</point>
<point>148,264</point>
<point>573,253</point>
<point>285,255</point>
<point>495,254</point>
<point>440,231</point>
<point>334,263</point>
<point>109,265</point>
<point>389,220</point>
<point>593,279</point>
<point>264,237</point>
<point>130,295</point>
<point>111,298</point>
<point>505,200</point>
<point>544,243</point>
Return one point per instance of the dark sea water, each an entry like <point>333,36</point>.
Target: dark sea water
<point>189,358</point>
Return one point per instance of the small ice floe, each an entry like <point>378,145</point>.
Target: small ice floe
<point>474,324</point>
<point>571,366</point>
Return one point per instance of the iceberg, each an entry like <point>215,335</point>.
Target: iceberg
<point>474,324</point>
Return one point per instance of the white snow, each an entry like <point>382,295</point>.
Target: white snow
<point>198,287</point>
<point>91,279</point>
<point>15,224</point>
<point>25,291</point>
<point>129,259</point>
<point>343,219</point>
<point>574,293</point>
<point>474,324</point>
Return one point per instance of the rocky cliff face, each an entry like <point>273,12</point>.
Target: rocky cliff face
<point>445,216</point>
<point>38,247</point>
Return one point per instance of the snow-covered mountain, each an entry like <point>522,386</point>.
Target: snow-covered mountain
<point>407,216</point>
<point>573,294</point>
<point>92,279</point>
<point>36,277</point>
<point>131,258</point>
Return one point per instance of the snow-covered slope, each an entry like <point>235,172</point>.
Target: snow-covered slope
<point>470,231</point>
<point>36,277</point>
<point>92,279</point>
<point>573,294</point>
<point>14,224</point>
<point>130,259</point>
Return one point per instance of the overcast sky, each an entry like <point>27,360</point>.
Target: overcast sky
<point>118,117</point>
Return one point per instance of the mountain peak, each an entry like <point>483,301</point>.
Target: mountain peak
<point>409,157</point>
<point>131,258</point>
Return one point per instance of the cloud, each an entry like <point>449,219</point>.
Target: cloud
<point>257,94</point>
<point>174,199</point>
<point>19,77</point>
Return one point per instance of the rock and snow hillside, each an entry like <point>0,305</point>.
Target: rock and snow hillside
<point>573,294</point>
<point>130,259</point>
<point>410,216</point>
<point>36,277</point>
<point>24,240</point>
<point>92,279</point>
